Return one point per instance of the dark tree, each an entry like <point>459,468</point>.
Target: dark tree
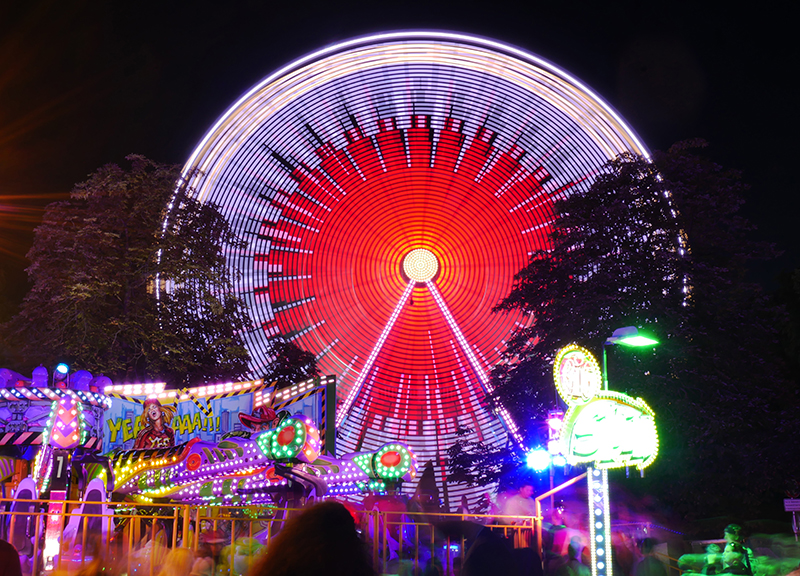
<point>6,312</point>
<point>290,363</point>
<point>616,261</point>
<point>120,292</point>
<point>789,295</point>
<point>660,245</point>
<point>475,463</point>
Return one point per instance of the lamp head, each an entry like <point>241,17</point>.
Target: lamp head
<point>630,336</point>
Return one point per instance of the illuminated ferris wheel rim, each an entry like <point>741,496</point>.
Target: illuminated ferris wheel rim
<point>337,168</point>
<point>224,137</point>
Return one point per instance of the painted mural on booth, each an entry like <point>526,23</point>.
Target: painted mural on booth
<point>143,422</point>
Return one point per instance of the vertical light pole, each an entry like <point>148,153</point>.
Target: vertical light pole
<point>599,510</point>
<point>599,521</point>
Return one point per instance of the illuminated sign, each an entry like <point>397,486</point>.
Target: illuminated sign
<point>577,375</point>
<point>147,416</point>
<point>607,429</point>
<point>611,430</point>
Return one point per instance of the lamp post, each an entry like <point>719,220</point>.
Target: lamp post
<point>599,509</point>
<point>628,336</point>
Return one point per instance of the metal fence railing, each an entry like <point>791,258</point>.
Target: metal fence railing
<point>134,539</point>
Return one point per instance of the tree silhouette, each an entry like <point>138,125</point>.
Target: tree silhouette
<point>124,291</point>
<point>290,363</point>
<point>661,245</point>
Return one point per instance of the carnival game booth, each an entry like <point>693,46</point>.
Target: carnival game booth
<point>238,444</point>
<point>104,455</point>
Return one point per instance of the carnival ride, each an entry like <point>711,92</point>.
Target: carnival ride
<point>62,431</point>
<point>58,425</point>
<point>446,153</point>
<point>258,469</point>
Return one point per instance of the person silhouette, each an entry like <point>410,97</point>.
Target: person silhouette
<point>736,557</point>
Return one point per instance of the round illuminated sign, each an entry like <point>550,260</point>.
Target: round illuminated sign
<point>420,265</point>
<point>577,375</point>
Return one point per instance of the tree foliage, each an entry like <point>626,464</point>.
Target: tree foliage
<point>789,295</point>
<point>661,245</point>
<point>475,463</point>
<point>98,262</point>
<point>289,363</point>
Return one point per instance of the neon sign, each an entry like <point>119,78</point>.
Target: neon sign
<point>577,375</point>
<point>611,430</point>
<point>605,428</point>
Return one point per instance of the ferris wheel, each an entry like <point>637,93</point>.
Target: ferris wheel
<point>388,189</point>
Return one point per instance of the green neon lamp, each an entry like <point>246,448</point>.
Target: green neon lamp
<point>630,336</point>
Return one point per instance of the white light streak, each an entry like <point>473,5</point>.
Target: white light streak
<point>473,360</point>
<point>341,413</point>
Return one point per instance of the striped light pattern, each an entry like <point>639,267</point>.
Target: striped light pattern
<point>338,166</point>
<point>599,522</point>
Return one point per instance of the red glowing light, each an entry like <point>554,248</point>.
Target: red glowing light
<point>272,476</point>
<point>286,436</point>
<point>391,459</point>
<point>193,462</point>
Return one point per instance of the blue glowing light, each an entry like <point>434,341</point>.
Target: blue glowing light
<point>538,459</point>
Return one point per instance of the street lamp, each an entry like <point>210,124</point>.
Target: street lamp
<point>628,336</point>
<point>603,428</point>
<point>599,515</point>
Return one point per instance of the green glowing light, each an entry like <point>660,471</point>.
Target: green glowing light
<point>630,336</point>
<point>611,430</point>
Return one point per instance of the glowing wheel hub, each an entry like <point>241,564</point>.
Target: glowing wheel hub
<point>420,265</point>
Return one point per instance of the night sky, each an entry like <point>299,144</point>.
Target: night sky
<point>86,83</point>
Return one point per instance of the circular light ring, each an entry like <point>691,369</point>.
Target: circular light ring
<point>295,439</point>
<point>336,167</point>
<point>395,462</point>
